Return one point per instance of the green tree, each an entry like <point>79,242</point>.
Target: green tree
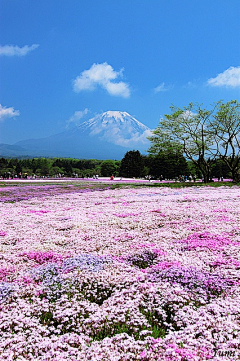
<point>3,165</point>
<point>225,128</point>
<point>34,165</point>
<point>202,135</point>
<point>132,164</point>
<point>67,166</point>
<point>43,167</point>
<point>187,131</point>
<point>108,168</point>
<point>220,169</point>
<point>169,165</point>
<point>18,168</point>
<point>55,171</point>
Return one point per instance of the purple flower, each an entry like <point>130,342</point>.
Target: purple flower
<point>88,262</point>
<point>6,289</point>
<point>206,284</point>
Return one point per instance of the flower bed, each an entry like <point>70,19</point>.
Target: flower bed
<point>120,274</point>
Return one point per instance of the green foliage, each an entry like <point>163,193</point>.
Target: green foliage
<point>96,292</point>
<point>156,322</point>
<point>142,260</point>
<point>112,328</point>
<point>108,168</point>
<point>220,169</point>
<point>51,166</point>
<point>3,163</point>
<point>158,332</point>
<point>202,135</point>
<point>186,130</point>
<point>225,128</point>
<point>132,165</point>
<point>109,330</point>
<point>169,164</point>
<point>46,317</point>
<point>18,168</point>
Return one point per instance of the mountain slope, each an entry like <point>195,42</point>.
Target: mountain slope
<point>106,136</point>
<point>7,150</point>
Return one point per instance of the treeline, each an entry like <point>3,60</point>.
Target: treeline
<point>163,165</point>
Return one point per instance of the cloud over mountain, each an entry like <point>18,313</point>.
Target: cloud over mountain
<point>76,117</point>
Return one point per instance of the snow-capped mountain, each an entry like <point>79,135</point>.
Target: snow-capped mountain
<point>116,127</point>
<point>106,136</point>
<point>112,119</point>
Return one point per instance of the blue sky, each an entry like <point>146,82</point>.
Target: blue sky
<point>62,62</point>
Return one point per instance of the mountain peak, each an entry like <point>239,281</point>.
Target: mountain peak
<point>117,127</point>
<point>115,114</point>
<point>107,135</point>
<point>113,119</point>
<point>119,116</point>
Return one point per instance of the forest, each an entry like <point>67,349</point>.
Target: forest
<point>165,165</point>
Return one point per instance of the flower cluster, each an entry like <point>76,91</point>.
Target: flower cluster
<point>205,240</point>
<point>142,273</point>
<point>6,289</point>
<point>89,262</point>
<point>42,257</point>
<point>202,283</point>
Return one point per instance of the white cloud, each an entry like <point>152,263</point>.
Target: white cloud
<point>12,50</point>
<point>8,113</point>
<point>229,78</point>
<point>102,75</point>
<point>118,89</point>
<point>188,114</point>
<point>162,88</point>
<point>76,117</point>
<point>126,138</point>
<point>136,140</point>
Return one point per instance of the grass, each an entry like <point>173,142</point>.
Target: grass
<point>183,185</point>
<point>96,184</point>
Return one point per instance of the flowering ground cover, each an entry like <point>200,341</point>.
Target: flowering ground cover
<point>13,191</point>
<point>146,273</point>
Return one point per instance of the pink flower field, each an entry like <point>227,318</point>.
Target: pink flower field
<point>132,273</point>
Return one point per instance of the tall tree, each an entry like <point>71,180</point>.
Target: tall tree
<point>108,168</point>
<point>168,164</point>
<point>186,131</point>
<point>225,128</point>
<point>132,164</point>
